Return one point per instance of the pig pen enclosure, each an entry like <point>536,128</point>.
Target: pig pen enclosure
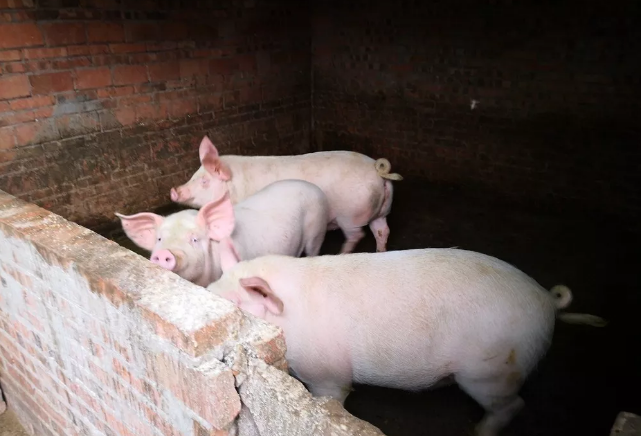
<point>515,125</point>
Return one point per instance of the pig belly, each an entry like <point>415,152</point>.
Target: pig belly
<point>413,368</point>
<point>415,352</point>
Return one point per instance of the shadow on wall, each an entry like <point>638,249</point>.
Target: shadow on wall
<point>556,88</point>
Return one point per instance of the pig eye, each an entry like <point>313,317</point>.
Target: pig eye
<point>194,240</point>
<point>159,239</point>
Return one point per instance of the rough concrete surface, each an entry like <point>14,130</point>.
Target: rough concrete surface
<point>9,425</point>
<point>273,399</point>
<point>626,424</point>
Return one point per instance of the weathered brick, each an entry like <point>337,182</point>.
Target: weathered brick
<point>181,108</point>
<point>147,112</point>
<point>174,31</point>
<point>193,67</point>
<point>7,138</point>
<point>130,74</point>
<point>115,92</point>
<point>105,32</point>
<point>10,4</point>
<point>223,66</point>
<point>141,31</point>
<point>43,53</point>
<point>36,132</point>
<point>14,67</point>
<point>30,103</point>
<point>10,55</point>
<point>79,50</point>
<point>70,63</point>
<point>127,48</point>
<point>125,116</point>
<point>64,33</point>
<point>14,86</point>
<point>13,118</point>
<point>37,66</point>
<point>78,124</point>
<point>93,78</point>
<point>84,50</point>
<point>20,35</point>
<point>208,390</point>
<point>51,82</point>
<point>164,71</point>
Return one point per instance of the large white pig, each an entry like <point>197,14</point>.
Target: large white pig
<point>286,217</point>
<point>358,188</point>
<point>406,320</point>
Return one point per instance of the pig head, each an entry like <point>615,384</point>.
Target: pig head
<point>208,183</point>
<point>196,245</point>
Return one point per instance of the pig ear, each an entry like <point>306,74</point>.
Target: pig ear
<point>207,147</point>
<point>260,291</point>
<point>228,255</point>
<point>218,217</point>
<point>141,228</point>
<point>216,167</point>
<point>210,159</point>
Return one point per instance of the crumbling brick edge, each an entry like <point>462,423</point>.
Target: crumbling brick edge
<point>187,355</point>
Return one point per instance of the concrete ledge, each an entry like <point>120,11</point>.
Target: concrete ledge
<point>125,347</point>
<point>626,424</point>
<point>273,399</point>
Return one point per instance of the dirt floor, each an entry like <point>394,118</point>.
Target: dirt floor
<point>588,376</point>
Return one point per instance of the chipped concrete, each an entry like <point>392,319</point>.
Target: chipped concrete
<point>626,424</point>
<point>198,354</point>
<point>280,405</point>
<point>10,426</point>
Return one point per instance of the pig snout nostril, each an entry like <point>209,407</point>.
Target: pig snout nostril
<point>165,259</point>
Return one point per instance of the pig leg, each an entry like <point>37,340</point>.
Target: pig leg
<point>499,397</point>
<point>313,245</point>
<point>381,233</point>
<point>353,235</point>
<point>334,391</point>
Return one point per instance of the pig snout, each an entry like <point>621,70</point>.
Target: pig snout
<point>164,258</point>
<point>180,193</point>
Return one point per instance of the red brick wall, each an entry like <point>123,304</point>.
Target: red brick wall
<point>103,102</point>
<point>557,85</point>
<point>97,340</point>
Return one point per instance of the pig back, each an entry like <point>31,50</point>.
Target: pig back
<point>273,220</point>
<point>348,179</point>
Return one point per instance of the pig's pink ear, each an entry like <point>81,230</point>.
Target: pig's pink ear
<point>210,159</point>
<point>216,167</point>
<point>228,255</point>
<point>207,147</point>
<point>260,291</point>
<point>141,228</point>
<point>218,217</point>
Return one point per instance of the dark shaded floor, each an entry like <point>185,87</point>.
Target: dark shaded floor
<point>588,376</point>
